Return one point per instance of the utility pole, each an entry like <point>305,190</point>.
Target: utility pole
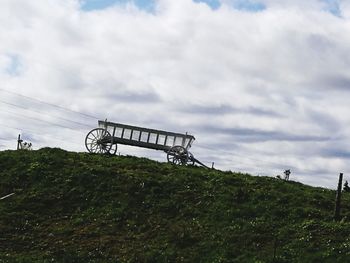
<point>338,199</point>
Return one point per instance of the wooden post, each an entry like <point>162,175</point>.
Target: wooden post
<point>18,141</point>
<point>338,198</point>
<point>274,249</point>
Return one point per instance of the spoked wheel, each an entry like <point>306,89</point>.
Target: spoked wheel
<point>190,160</point>
<point>98,141</point>
<point>178,155</point>
<point>113,149</point>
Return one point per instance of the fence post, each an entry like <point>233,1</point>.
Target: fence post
<point>274,249</point>
<point>338,198</point>
<point>18,141</point>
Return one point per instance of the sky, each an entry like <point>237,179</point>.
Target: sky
<point>263,85</point>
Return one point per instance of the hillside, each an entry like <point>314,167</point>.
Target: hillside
<point>76,207</point>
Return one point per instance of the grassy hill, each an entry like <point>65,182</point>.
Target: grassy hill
<point>76,207</point>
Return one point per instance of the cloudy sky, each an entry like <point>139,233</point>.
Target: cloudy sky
<point>263,85</point>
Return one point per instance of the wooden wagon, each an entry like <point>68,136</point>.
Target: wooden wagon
<point>108,135</point>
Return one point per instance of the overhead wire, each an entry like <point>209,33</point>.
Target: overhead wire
<point>38,134</point>
<point>239,155</point>
<point>42,120</point>
<point>240,162</point>
<point>235,154</point>
<point>36,119</point>
<point>50,104</point>
<point>255,159</point>
<point>58,117</point>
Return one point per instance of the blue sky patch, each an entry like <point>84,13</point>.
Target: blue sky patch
<point>148,5</point>
<point>332,6</point>
<point>214,4</point>
<point>249,5</point>
<point>13,68</point>
<point>90,5</point>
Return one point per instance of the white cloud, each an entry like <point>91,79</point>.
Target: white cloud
<point>270,86</point>
<point>345,7</point>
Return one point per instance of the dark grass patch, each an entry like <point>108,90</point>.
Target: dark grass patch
<point>77,207</point>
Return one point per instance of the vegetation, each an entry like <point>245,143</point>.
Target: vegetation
<point>77,207</point>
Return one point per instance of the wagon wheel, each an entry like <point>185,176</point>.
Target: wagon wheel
<point>96,141</point>
<point>113,149</point>
<point>177,155</point>
<point>190,160</point>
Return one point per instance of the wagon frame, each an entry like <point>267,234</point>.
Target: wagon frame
<point>105,140</point>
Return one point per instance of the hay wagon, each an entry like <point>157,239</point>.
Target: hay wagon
<point>105,140</point>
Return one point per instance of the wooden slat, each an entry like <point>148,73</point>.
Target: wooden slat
<point>146,144</point>
<point>124,126</point>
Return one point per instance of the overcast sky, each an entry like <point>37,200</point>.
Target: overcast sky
<point>263,85</point>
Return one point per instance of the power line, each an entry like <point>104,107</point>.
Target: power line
<point>37,133</point>
<point>22,107</point>
<point>41,120</point>
<point>36,119</point>
<point>239,155</point>
<point>50,104</point>
<point>256,160</point>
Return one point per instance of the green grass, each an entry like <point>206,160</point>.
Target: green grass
<point>77,207</point>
